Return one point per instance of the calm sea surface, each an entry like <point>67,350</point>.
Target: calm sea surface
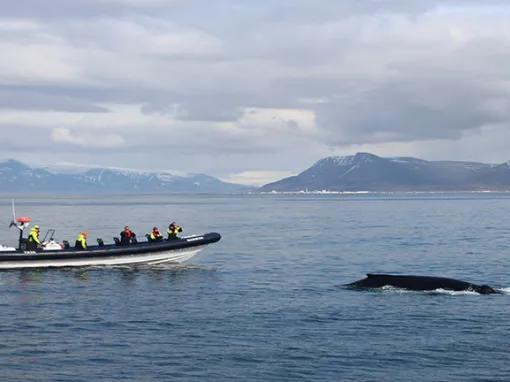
<point>265,303</point>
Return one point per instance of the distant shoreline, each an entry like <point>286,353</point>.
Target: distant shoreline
<point>328,192</point>
<point>9,196</point>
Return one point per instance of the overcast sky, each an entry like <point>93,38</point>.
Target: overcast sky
<point>251,91</point>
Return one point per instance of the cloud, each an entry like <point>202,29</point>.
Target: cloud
<point>256,178</point>
<point>63,135</point>
<point>408,110</point>
<point>18,98</point>
<point>240,86</point>
<point>35,63</point>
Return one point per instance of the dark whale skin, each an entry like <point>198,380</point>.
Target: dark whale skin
<point>419,283</point>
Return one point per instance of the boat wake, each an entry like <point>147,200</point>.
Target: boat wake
<point>171,266</point>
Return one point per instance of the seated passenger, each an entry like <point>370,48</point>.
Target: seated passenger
<point>127,236</point>
<point>81,241</point>
<point>173,230</point>
<point>154,235</point>
<point>33,241</point>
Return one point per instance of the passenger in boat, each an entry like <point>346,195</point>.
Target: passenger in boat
<point>81,241</point>
<point>127,236</point>
<point>173,230</point>
<point>33,241</point>
<point>154,235</point>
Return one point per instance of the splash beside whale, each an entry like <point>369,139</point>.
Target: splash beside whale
<point>419,283</point>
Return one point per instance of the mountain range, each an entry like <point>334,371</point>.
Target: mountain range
<point>368,172</point>
<point>360,172</point>
<point>16,177</point>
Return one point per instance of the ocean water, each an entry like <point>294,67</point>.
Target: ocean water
<point>266,302</point>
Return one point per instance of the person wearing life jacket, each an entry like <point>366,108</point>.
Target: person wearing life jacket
<point>154,235</point>
<point>173,230</point>
<point>33,241</point>
<point>81,241</point>
<point>127,236</point>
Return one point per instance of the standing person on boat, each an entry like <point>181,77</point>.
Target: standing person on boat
<point>127,236</point>
<point>33,241</point>
<point>173,230</point>
<point>81,241</point>
<point>155,235</point>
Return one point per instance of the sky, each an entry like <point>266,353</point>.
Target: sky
<point>252,91</point>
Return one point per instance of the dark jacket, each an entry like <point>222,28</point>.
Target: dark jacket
<point>126,237</point>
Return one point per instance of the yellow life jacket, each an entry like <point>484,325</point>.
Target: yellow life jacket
<point>172,232</point>
<point>155,236</point>
<point>82,240</point>
<point>34,236</point>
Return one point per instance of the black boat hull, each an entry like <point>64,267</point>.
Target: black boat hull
<point>141,253</point>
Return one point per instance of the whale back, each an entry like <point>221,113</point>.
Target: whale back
<point>486,289</point>
<point>424,283</point>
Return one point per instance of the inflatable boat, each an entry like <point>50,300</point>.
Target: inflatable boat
<point>54,254</point>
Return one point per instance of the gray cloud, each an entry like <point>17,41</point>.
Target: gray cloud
<point>36,99</point>
<point>238,83</point>
<point>409,110</point>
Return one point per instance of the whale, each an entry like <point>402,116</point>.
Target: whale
<point>419,283</point>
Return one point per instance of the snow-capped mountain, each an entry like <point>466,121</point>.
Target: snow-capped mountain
<point>368,172</point>
<point>16,177</point>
